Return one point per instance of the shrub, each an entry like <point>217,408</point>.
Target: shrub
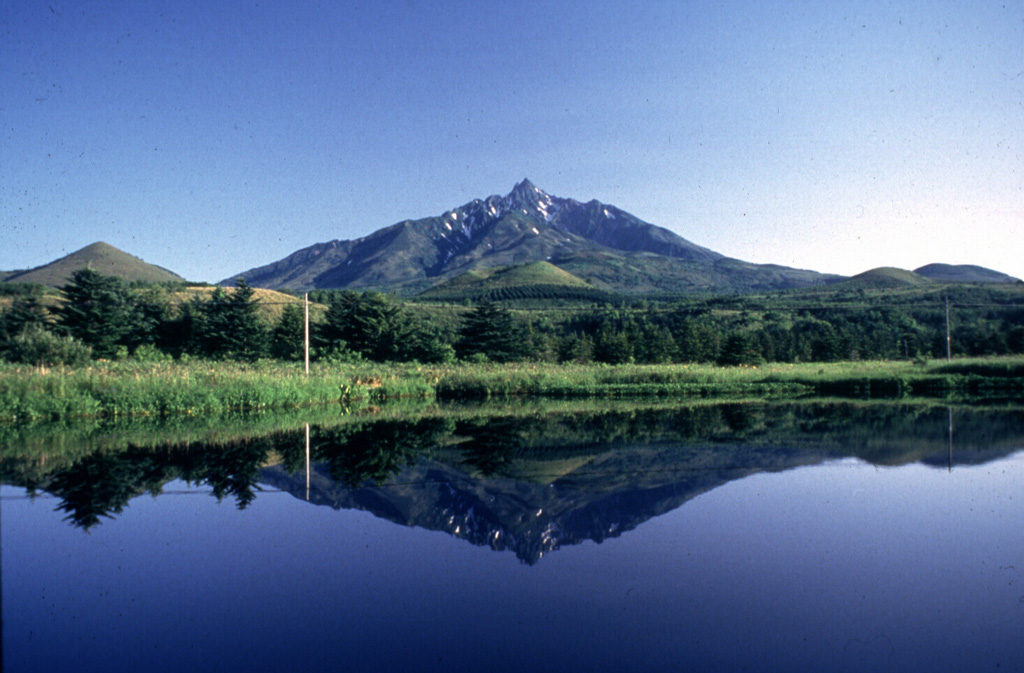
<point>36,346</point>
<point>149,353</point>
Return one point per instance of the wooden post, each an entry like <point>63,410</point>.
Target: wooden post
<point>307,332</point>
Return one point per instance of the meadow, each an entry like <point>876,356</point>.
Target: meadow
<point>215,387</point>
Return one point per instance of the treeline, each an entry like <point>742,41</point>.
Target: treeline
<point>799,335</point>
<point>104,317</point>
<point>101,316</point>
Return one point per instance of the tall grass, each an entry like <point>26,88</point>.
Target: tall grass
<point>194,388</point>
<point>135,389</point>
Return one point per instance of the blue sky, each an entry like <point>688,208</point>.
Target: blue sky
<point>210,138</point>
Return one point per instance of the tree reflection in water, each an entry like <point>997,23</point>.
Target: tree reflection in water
<point>606,451</point>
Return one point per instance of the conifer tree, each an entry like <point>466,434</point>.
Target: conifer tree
<point>288,337</point>
<point>246,337</point>
<point>231,326</point>
<point>367,324</point>
<point>96,311</point>
<point>25,312</point>
<point>491,331</point>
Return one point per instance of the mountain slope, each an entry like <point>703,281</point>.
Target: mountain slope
<point>527,225</point>
<point>101,257</point>
<point>535,280</point>
<point>963,273</point>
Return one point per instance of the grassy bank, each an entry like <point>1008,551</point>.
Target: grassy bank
<point>962,379</point>
<point>127,389</point>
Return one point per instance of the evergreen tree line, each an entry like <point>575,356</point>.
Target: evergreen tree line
<point>105,317</point>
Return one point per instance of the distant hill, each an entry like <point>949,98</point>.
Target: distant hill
<point>884,277</point>
<point>101,257</point>
<point>535,273</point>
<point>269,302</point>
<point>536,280</point>
<point>963,273</point>
<point>599,243</point>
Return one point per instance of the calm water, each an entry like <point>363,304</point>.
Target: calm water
<point>788,538</point>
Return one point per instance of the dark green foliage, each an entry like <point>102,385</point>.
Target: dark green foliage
<point>97,310</point>
<point>740,348</point>
<point>697,340</point>
<point>37,346</point>
<point>372,326</point>
<point>287,341</point>
<point>210,325</point>
<point>149,311</point>
<point>427,345</point>
<point>576,347</point>
<point>183,333</point>
<point>655,345</point>
<point>230,325</point>
<point>822,326</point>
<point>9,289</point>
<point>491,332</point>
<point>612,346</point>
<point>26,312</point>
<point>366,324</point>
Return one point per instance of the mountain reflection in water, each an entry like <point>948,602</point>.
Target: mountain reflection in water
<point>529,483</point>
<point>756,537</point>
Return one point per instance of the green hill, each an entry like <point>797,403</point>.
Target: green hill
<point>536,280</point>
<point>881,278</point>
<point>101,257</point>
<point>534,273</point>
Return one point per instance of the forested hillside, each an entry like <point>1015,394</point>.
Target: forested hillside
<point>97,316</point>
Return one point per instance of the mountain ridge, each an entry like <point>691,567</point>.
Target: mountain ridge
<point>963,273</point>
<point>526,225</point>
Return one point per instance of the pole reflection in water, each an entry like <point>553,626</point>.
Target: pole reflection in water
<point>950,439</point>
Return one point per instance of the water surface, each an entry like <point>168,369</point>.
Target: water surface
<point>733,537</point>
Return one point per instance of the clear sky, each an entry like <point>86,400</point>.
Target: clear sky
<point>212,137</point>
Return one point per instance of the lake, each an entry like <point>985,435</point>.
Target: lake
<point>758,537</point>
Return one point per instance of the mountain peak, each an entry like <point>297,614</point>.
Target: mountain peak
<point>593,241</point>
<point>101,257</point>
<point>526,192</point>
<point>528,197</point>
